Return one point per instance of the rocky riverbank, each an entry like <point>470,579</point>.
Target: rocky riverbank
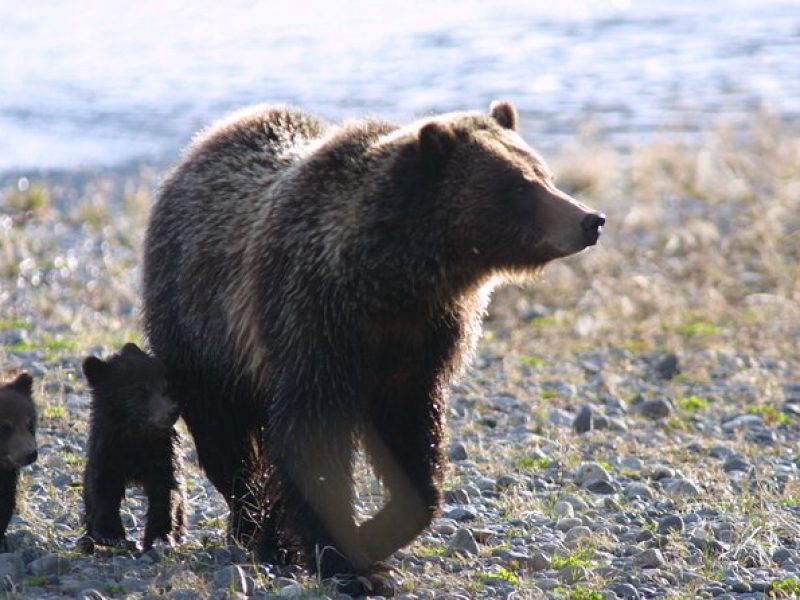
<point>629,427</point>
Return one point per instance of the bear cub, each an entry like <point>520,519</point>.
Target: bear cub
<point>17,443</point>
<point>132,440</point>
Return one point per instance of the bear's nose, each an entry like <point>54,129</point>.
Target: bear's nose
<point>593,223</point>
<point>31,457</point>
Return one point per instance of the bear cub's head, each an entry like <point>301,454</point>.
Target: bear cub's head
<point>129,390</point>
<point>17,423</point>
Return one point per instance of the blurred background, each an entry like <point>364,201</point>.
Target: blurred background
<point>93,84</point>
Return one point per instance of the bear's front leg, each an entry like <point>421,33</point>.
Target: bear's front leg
<point>310,497</point>
<point>404,444</point>
<point>8,493</point>
<point>103,493</point>
<point>165,506</point>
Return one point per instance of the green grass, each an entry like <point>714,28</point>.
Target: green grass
<point>15,324</point>
<point>786,588</point>
<point>580,592</point>
<point>693,403</point>
<point>430,551</point>
<point>770,414</point>
<point>51,344</point>
<point>55,412</point>
<point>698,326</point>
<point>537,362</point>
<point>532,462</point>
<point>502,573</point>
<point>115,589</point>
<point>584,557</point>
<point>37,581</point>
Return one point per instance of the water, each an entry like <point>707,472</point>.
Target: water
<point>95,84</point>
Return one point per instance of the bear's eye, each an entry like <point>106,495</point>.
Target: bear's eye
<point>523,186</point>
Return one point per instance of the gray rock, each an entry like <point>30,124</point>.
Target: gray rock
<point>462,543</point>
<point>736,462</point>
<point>571,574</point>
<point>507,481</point>
<point>682,487</point>
<point>445,526</point>
<point>667,367</point>
<point>669,523</point>
<point>625,590</point>
<point>566,523</point>
<point>600,487</point>
<point>655,408</point>
<point>638,490</point>
<point>486,484</point>
<point>561,418</point>
<point>90,594</point>
<point>649,559</point>
<point>539,561</point>
<point>50,564</point>
<point>231,577</point>
<point>583,420</point>
<point>12,565</point>
<point>457,451</point>
<point>743,422</point>
<point>563,509</point>
<point>591,471</point>
<point>457,496</point>
<point>781,555</point>
<point>461,513</point>
<point>576,533</point>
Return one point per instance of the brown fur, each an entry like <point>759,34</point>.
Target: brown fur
<point>307,284</point>
<point>17,442</point>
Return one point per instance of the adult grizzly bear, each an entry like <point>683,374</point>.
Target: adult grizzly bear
<point>308,285</point>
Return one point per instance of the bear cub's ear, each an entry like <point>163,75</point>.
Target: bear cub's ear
<point>94,369</point>
<point>505,114</point>
<point>436,143</point>
<point>132,349</point>
<point>23,384</point>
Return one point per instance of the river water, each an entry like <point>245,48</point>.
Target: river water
<point>97,84</point>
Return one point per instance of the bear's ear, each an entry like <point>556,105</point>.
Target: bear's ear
<point>505,114</point>
<point>436,143</point>
<point>94,369</point>
<point>22,384</point>
<point>132,349</point>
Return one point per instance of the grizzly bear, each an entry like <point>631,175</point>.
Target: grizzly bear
<point>132,439</point>
<point>17,443</point>
<point>310,285</point>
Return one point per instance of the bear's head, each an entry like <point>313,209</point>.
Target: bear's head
<point>131,388</point>
<point>506,213</point>
<point>17,423</point>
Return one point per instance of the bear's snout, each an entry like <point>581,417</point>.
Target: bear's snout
<point>592,226</point>
<point>30,458</point>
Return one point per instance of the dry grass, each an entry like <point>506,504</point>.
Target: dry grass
<point>701,257</point>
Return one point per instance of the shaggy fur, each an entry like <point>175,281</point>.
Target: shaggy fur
<point>131,440</point>
<point>17,443</point>
<point>309,284</point>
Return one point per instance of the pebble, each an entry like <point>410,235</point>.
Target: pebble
<point>462,543</point>
<point>462,513</point>
<point>457,451</point>
<point>638,490</point>
<point>736,462</point>
<point>583,421</point>
<point>649,559</point>
<point>625,590</point>
<point>571,574</point>
<point>656,408</point>
<point>563,509</point>
<point>51,564</point>
<point>590,472</point>
<point>231,577</point>
<point>667,366</point>
<point>669,524</point>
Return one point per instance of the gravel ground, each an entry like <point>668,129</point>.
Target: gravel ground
<point>628,429</point>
